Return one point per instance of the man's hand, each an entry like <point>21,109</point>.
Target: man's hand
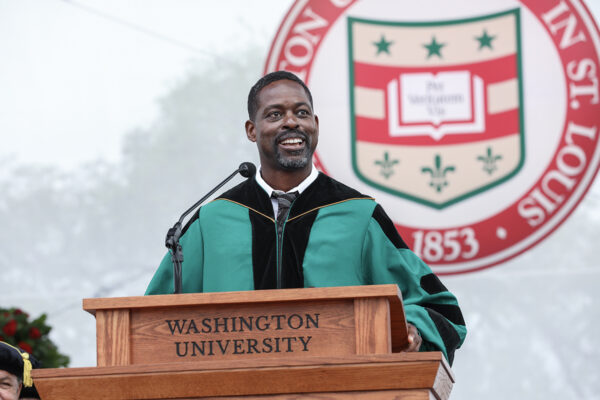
<point>414,338</point>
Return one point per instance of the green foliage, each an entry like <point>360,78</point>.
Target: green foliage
<point>31,336</point>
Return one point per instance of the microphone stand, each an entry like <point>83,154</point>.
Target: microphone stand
<point>246,169</point>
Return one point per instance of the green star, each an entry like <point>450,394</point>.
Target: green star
<point>485,40</point>
<point>383,46</point>
<point>434,48</point>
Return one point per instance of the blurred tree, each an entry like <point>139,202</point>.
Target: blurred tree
<point>109,220</point>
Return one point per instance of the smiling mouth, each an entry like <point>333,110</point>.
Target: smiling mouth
<point>293,149</point>
<point>292,142</point>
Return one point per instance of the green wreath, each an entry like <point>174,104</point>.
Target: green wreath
<point>32,337</point>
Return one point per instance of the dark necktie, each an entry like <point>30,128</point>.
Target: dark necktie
<point>284,201</point>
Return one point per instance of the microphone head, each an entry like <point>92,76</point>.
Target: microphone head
<point>247,169</point>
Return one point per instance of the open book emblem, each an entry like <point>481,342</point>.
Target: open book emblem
<point>436,105</point>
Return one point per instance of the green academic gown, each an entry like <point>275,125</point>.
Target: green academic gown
<point>333,236</point>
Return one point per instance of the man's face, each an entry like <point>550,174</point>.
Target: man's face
<point>9,386</point>
<point>284,127</point>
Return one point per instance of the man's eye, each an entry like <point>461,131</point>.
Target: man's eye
<point>303,113</point>
<point>274,114</point>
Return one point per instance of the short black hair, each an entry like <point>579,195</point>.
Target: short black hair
<point>267,80</point>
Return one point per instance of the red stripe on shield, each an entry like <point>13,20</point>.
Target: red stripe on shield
<point>492,71</point>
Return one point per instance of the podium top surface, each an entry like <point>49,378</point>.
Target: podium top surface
<point>404,375</point>
<point>392,292</point>
<point>413,357</point>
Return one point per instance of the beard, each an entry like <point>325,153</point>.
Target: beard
<point>297,159</point>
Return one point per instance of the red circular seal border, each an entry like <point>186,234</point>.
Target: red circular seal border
<point>298,40</point>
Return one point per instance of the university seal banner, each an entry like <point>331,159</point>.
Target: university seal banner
<point>451,114</point>
<point>476,126</point>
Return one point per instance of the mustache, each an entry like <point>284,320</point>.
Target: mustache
<point>291,133</point>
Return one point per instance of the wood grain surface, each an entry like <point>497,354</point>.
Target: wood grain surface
<point>113,337</point>
<point>372,316</point>
<point>412,376</point>
<point>172,328</point>
<point>422,394</point>
<point>258,296</point>
<point>299,329</point>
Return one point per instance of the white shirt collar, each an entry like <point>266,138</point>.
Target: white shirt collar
<point>300,188</point>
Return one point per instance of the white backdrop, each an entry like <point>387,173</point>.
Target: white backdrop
<point>115,116</point>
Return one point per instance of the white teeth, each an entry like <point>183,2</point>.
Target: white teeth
<point>292,141</point>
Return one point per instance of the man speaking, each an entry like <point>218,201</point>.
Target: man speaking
<point>291,226</point>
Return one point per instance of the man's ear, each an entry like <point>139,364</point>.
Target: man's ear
<point>251,131</point>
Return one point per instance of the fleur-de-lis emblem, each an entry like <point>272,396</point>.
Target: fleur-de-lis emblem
<point>489,161</point>
<point>387,165</point>
<point>438,173</point>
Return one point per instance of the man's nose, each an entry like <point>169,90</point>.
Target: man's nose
<point>290,120</point>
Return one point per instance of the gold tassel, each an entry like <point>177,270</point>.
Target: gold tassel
<point>27,380</point>
<point>27,367</point>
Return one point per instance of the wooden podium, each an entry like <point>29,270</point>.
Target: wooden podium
<point>326,343</point>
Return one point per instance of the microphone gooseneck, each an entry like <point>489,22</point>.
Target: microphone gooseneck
<point>247,170</point>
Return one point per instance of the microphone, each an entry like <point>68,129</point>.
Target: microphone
<point>247,170</point>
